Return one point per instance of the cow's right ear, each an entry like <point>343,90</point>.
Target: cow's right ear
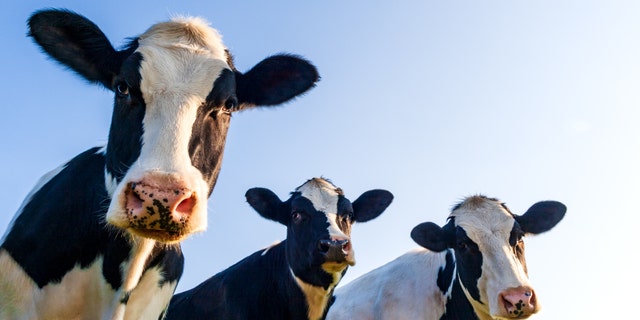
<point>429,235</point>
<point>77,43</point>
<point>267,204</point>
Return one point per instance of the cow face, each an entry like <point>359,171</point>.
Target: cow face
<point>175,90</point>
<point>318,218</point>
<point>489,252</point>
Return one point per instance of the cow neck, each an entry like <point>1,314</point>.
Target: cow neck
<point>481,311</point>
<point>140,251</point>
<point>317,298</point>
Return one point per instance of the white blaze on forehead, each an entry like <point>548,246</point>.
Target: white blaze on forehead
<point>324,197</point>
<point>181,60</point>
<point>489,225</point>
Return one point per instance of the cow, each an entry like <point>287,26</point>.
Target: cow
<point>472,268</point>
<point>295,278</point>
<point>98,237</point>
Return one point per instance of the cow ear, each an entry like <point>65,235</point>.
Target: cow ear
<point>77,43</point>
<point>371,204</point>
<point>541,217</point>
<point>275,80</point>
<point>429,235</point>
<point>267,204</point>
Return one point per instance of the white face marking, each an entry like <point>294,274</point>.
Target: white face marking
<point>489,225</point>
<point>181,61</point>
<point>324,198</point>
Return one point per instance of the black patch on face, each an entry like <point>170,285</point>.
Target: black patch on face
<point>517,244</point>
<point>125,134</point>
<point>209,132</point>
<point>468,261</point>
<point>445,274</point>
<point>307,227</point>
<point>344,217</point>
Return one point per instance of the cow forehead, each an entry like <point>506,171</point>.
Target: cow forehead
<point>191,33</point>
<point>180,57</point>
<point>323,195</point>
<point>480,216</point>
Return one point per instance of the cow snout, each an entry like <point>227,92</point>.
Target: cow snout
<point>153,207</point>
<point>335,250</point>
<point>519,303</point>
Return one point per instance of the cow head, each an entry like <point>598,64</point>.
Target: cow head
<point>489,252</point>
<point>175,89</point>
<point>318,218</point>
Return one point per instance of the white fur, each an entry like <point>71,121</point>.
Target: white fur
<point>489,225</point>
<point>317,297</point>
<point>82,293</point>
<point>404,288</point>
<point>177,75</point>
<point>146,306</point>
<point>324,198</point>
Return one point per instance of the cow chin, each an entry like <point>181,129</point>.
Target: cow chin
<point>159,229</point>
<point>160,235</point>
<point>335,267</point>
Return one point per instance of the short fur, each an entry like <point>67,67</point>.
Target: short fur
<point>461,272</point>
<point>295,278</point>
<point>98,238</point>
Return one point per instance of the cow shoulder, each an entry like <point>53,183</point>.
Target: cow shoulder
<point>76,193</point>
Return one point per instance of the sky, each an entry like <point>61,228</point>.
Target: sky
<point>432,100</point>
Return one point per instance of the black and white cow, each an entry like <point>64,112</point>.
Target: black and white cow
<point>472,268</point>
<point>98,237</point>
<point>295,278</point>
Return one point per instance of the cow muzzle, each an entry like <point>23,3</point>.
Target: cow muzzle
<point>336,251</point>
<point>161,208</point>
<point>518,303</point>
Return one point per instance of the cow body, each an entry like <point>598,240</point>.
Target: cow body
<point>472,268</point>
<point>98,238</point>
<point>295,278</point>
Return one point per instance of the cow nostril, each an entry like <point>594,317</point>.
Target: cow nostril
<point>324,246</point>
<point>507,304</point>
<point>346,247</point>
<point>186,205</point>
<point>134,201</point>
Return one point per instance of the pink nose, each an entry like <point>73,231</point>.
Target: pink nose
<point>518,302</point>
<point>153,206</point>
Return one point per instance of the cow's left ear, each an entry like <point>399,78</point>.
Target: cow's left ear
<point>429,235</point>
<point>541,217</point>
<point>371,204</point>
<point>275,80</point>
<point>267,204</point>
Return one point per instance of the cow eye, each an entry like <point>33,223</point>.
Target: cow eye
<point>231,104</point>
<point>297,217</point>
<point>122,89</point>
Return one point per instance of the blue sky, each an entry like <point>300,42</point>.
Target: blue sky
<point>431,100</point>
